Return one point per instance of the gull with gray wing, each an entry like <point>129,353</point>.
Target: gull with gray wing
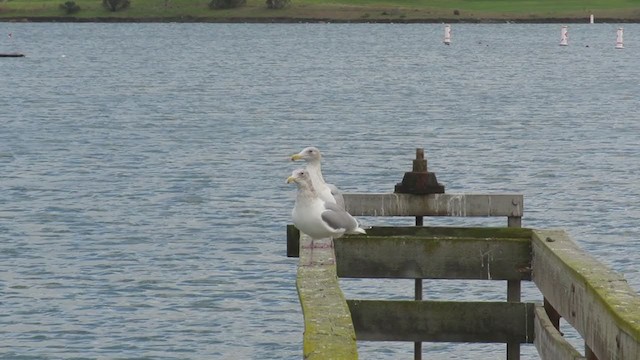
<point>316,217</point>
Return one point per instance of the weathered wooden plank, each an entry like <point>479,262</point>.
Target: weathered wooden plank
<point>442,321</point>
<point>451,232</point>
<point>293,234</point>
<point>548,341</point>
<point>392,204</point>
<point>433,257</point>
<point>328,329</point>
<point>595,300</point>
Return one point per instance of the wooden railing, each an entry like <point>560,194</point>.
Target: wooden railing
<point>592,298</point>
<point>595,300</point>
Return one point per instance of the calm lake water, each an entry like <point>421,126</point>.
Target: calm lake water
<point>143,201</point>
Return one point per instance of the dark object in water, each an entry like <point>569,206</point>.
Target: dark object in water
<point>11,55</point>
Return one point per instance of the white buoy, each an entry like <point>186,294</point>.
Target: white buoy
<point>619,41</point>
<point>564,38</point>
<point>447,34</point>
<point>591,19</point>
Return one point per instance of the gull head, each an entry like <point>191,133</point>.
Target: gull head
<point>309,154</point>
<point>300,177</point>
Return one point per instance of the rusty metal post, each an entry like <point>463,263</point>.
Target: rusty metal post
<point>419,181</point>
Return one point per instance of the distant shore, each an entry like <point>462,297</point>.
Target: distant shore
<point>329,11</point>
<point>288,20</point>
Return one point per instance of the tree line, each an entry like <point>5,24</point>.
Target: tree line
<point>70,7</point>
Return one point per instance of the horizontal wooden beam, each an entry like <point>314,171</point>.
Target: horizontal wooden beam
<point>442,321</point>
<point>548,340</point>
<point>392,204</point>
<point>431,255</point>
<point>293,234</point>
<point>328,330</point>
<point>450,232</point>
<point>595,300</point>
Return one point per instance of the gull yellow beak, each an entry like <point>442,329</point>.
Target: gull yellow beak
<point>290,179</point>
<point>296,157</point>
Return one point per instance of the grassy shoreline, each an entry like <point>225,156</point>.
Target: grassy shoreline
<point>287,20</point>
<point>339,11</point>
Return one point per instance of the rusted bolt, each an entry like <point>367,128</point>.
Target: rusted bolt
<point>419,181</point>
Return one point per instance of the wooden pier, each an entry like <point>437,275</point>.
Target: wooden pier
<point>593,299</point>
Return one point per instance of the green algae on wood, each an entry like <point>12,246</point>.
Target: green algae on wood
<point>594,299</point>
<point>328,329</point>
<point>433,257</point>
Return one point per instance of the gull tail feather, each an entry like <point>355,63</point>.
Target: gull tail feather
<point>357,230</point>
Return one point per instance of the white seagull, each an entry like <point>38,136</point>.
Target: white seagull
<point>318,218</point>
<point>326,192</point>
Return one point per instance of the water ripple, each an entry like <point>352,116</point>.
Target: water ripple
<point>143,198</point>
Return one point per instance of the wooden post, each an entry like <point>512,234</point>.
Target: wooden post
<point>548,340</point>
<point>513,293</point>
<point>293,241</point>
<point>589,355</point>
<point>417,346</point>
<point>514,221</point>
<point>552,314</point>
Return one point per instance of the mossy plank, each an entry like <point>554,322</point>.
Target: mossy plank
<point>417,257</point>
<point>548,340</point>
<point>328,329</point>
<point>451,232</point>
<point>595,300</point>
<point>442,321</point>
<point>293,234</point>
<point>393,204</point>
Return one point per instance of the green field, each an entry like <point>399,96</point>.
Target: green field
<point>333,10</point>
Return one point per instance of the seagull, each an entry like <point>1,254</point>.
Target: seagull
<point>326,192</point>
<point>316,217</point>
